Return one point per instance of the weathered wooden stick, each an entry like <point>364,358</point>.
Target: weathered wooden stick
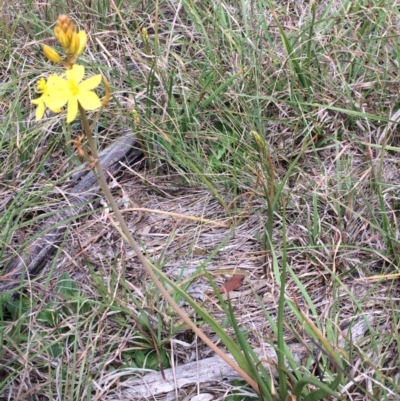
<point>214,369</point>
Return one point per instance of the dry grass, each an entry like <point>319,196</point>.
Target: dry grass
<point>341,196</point>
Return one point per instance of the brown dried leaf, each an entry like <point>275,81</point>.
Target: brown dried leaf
<point>232,284</point>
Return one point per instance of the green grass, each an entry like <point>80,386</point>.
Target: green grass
<point>274,117</point>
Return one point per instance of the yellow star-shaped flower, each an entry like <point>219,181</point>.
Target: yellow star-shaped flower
<point>81,91</point>
<point>52,95</point>
<point>58,92</point>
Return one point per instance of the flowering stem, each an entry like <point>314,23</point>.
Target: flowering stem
<point>148,266</point>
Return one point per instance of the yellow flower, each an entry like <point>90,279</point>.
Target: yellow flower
<point>81,92</point>
<point>53,95</point>
<point>57,92</point>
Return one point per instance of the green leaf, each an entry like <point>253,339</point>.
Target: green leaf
<point>56,350</point>
<point>17,307</point>
<point>140,357</point>
<point>75,307</point>
<point>49,314</point>
<point>126,365</point>
<point>67,286</point>
<point>149,359</point>
<point>165,362</point>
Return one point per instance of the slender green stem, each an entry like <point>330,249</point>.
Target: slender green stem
<point>148,266</point>
<point>281,341</point>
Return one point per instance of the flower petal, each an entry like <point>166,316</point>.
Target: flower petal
<point>40,85</point>
<point>72,109</point>
<point>56,81</point>
<point>56,99</point>
<point>37,101</point>
<point>90,83</point>
<point>76,73</point>
<point>89,100</point>
<point>55,107</point>
<point>39,109</point>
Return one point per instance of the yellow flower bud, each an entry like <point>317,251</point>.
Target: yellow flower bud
<point>145,35</point>
<point>70,33</point>
<point>57,31</point>
<point>63,19</point>
<point>64,27</point>
<point>75,44</point>
<point>51,54</point>
<point>65,23</point>
<point>82,42</point>
<point>61,37</point>
<point>260,142</point>
<point>136,118</point>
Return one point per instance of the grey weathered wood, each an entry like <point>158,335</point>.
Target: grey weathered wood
<point>80,189</point>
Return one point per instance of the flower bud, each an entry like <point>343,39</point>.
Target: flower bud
<point>75,44</point>
<point>260,142</point>
<point>63,19</point>
<point>145,35</point>
<point>51,54</point>
<point>82,42</point>
<point>65,23</point>
<point>61,37</point>
<point>136,118</point>
<point>70,33</point>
